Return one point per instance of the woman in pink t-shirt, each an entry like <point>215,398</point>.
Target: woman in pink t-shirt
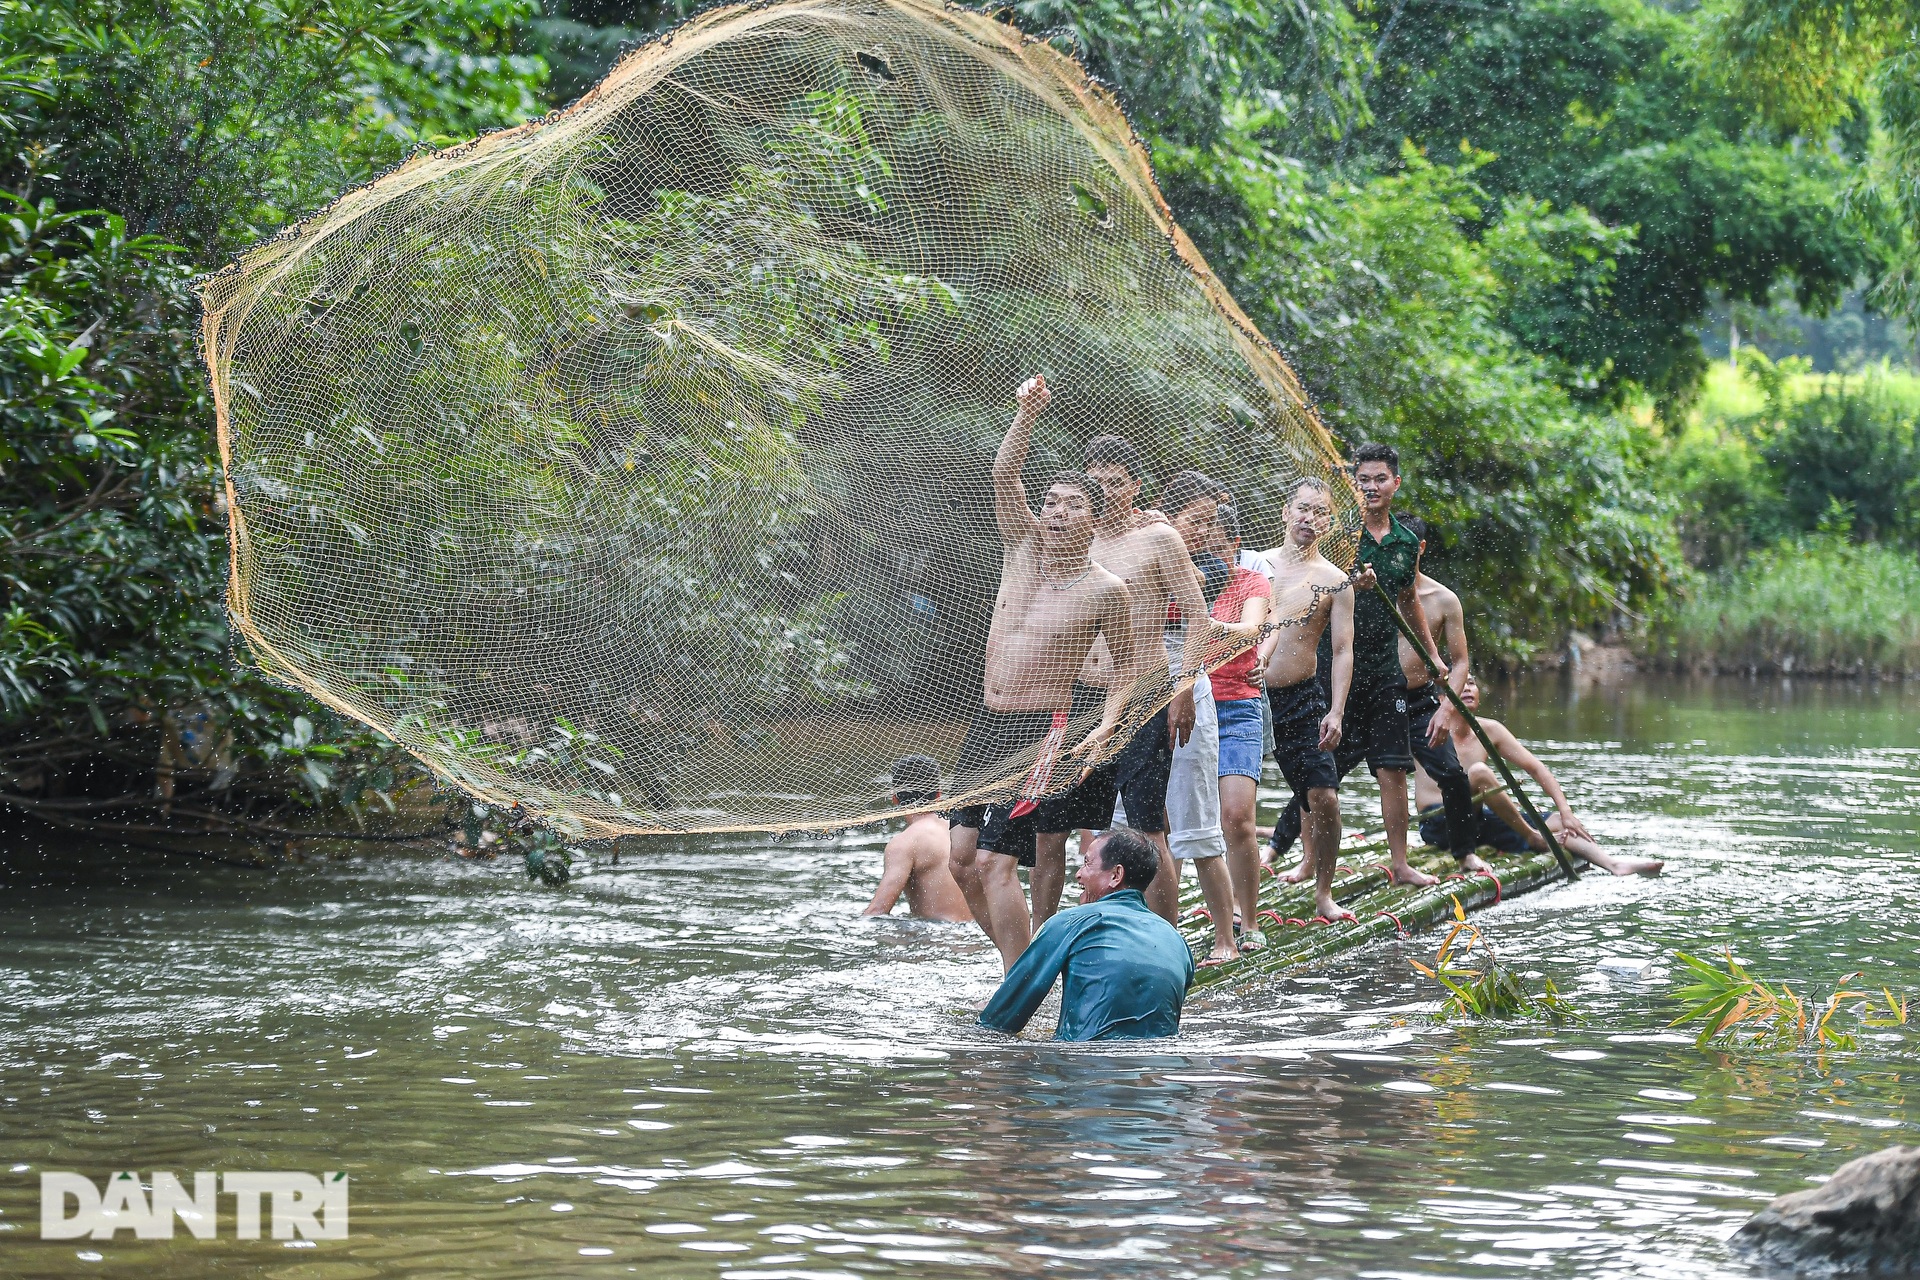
<point>1240,609</point>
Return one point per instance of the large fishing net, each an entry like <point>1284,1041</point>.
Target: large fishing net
<point>633,465</point>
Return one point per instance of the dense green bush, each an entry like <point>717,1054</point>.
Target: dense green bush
<point>1608,105</point>
<point>1847,447</point>
<point>140,142</point>
<point>1391,309</point>
<point>1816,452</point>
<point>1821,604</point>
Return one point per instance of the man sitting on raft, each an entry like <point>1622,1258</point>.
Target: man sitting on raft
<point>1124,970</point>
<point>1054,602</point>
<point>1502,826</point>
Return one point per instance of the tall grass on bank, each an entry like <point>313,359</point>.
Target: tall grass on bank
<point>1820,604</point>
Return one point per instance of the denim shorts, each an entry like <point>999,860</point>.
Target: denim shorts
<point>1242,748</point>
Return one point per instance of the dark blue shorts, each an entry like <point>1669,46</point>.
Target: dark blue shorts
<point>1493,833</point>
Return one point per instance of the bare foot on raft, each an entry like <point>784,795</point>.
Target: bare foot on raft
<point>1220,955</point>
<point>1332,912</point>
<point>1402,873</point>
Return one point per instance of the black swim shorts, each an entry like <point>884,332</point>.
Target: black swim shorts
<point>1137,774</point>
<point>1441,763</point>
<point>1492,832</point>
<point>1375,728</point>
<point>1297,712</point>
<point>992,738</point>
<point>1422,703</point>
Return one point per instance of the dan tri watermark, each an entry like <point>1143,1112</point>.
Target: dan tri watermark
<point>299,1205</point>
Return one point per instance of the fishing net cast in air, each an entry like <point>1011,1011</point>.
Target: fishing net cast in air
<point>634,465</point>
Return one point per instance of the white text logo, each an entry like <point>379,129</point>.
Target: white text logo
<point>302,1205</point>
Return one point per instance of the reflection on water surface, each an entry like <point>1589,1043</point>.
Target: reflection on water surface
<point>701,1063</point>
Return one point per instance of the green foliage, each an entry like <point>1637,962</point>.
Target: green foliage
<point>1395,313</point>
<point>1820,603</point>
<point>1817,453</point>
<point>1184,67</point>
<point>1849,449</point>
<point>1824,68</point>
<point>1733,1007</point>
<point>580,40</point>
<point>1491,991</point>
<point>103,489</point>
<point>486,832</point>
<point>124,126</point>
<point>1598,104</point>
<point>1728,501</point>
<point>213,122</point>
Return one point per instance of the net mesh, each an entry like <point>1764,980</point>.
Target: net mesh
<point>634,465</point>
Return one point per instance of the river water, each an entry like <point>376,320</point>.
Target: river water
<point>700,1063</point>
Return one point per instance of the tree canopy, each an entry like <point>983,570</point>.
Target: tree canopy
<point>1489,233</point>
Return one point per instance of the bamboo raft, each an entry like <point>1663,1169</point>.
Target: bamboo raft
<point>1385,911</point>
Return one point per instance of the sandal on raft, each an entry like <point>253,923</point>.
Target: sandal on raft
<point>1252,940</point>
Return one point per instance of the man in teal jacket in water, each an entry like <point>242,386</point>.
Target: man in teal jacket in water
<point>1126,970</point>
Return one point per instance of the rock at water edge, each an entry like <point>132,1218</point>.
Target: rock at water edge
<point>1866,1217</point>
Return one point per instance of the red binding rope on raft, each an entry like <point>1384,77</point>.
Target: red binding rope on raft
<point>1499,891</point>
<point>1396,921</point>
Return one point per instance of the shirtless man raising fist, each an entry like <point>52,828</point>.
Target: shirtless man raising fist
<point>1054,603</point>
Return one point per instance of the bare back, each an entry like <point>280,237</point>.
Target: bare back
<point>931,891</point>
<point>1305,588</point>
<point>917,865</point>
<point>1447,620</point>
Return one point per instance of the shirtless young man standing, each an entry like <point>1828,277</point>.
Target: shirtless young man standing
<point>1375,728</point>
<point>916,859</point>
<point>1499,822</point>
<point>1433,753</point>
<point>1310,597</point>
<point>1151,559</point>
<point>1053,603</point>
